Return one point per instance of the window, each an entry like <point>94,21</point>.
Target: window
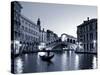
<point>96,35</point>
<point>87,47</point>
<point>25,22</point>
<point>87,28</point>
<point>70,40</point>
<point>84,47</point>
<point>91,36</point>
<point>26,29</point>
<point>22,27</point>
<point>87,36</point>
<point>81,40</point>
<point>84,38</point>
<point>91,46</point>
<point>91,27</point>
<point>74,41</point>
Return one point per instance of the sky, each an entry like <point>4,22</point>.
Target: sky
<point>60,18</point>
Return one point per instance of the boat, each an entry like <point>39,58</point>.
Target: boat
<point>46,58</point>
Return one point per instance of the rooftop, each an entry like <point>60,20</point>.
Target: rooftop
<point>85,22</point>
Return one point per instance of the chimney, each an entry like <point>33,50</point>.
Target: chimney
<point>87,18</point>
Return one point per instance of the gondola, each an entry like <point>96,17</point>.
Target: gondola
<point>46,58</point>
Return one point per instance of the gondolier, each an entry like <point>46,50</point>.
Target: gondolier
<point>46,55</point>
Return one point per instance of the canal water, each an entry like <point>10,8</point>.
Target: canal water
<point>68,60</point>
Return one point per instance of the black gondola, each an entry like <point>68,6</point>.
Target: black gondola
<point>47,58</point>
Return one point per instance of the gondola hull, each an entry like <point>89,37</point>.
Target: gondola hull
<point>46,58</point>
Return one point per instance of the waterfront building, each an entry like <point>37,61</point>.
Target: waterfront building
<point>42,32</point>
<point>51,37</point>
<point>15,26</point>
<point>22,29</point>
<point>15,20</point>
<point>43,36</point>
<point>87,36</point>
<point>29,33</point>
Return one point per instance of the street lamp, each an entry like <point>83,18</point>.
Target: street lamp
<point>94,43</point>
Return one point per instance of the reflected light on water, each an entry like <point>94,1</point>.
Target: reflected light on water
<point>94,62</point>
<point>18,65</point>
<point>64,61</point>
<point>38,57</point>
<point>26,55</point>
<point>26,58</point>
<point>76,62</point>
<point>70,52</point>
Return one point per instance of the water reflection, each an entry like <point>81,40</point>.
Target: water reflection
<point>68,60</point>
<point>94,62</point>
<point>76,62</point>
<point>87,61</point>
<point>64,56</point>
<point>18,65</point>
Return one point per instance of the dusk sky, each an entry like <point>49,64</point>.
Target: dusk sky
<point>60,18</point>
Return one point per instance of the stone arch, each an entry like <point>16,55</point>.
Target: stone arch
<point>64,34</point>
<point>70,40</point>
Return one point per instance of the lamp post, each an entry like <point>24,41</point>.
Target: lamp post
<point>94,45</point>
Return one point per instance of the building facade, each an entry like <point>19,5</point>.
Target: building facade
<point>51,37</point>
<point>22,29</point>
<point>43,36</point>
<point>29,33</point>
<point>15,20</point>
<point>87,36</point>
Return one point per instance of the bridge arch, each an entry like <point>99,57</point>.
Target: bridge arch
<point>68,38</point>
<point>64,37</point>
